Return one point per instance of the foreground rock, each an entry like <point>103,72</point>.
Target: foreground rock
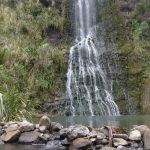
<point>73,132</point>
<point>146,140</point>
<point>11,136</point>
<point>44,124</point>
<point>119,141</point>
<point>75,137</point>
<point>26,126</point>
<point>80,143</point>
<point>135,135</point>
<point>29,137</point>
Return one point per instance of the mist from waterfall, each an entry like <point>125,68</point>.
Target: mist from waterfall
<point>89,87</point>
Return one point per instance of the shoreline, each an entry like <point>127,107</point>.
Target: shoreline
<point>75,137</point>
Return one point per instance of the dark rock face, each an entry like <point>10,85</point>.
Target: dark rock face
<point>126,5</point>
<point>48,3</point>
<point>45,2</point>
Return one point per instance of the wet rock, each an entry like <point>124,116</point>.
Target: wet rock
<point>146,140</point>
<point>56,126</point>
<point>55,145</point>
<point>141,128</point>
<point>28,137</point>
<point>11,136</point>
<point>135,135</point>
<point>77,131</point>
<point>26,126</point>
<point>119,141</point>
<point>80,143</point>
<point>65,142</point>
<point>108,148</point>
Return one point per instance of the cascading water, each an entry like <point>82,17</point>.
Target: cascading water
<point>89,88</point>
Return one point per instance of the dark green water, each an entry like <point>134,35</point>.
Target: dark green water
<point>96,121</point>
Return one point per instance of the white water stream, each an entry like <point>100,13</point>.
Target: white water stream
<point>89,90</point>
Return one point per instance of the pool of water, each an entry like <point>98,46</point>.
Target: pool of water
<point>98,121</point>
<point>95,121</point>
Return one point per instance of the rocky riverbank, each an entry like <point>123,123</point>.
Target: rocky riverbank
<point>75,137</point>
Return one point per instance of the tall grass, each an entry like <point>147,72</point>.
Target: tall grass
<point>29,64</point>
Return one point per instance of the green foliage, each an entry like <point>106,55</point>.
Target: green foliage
<point>136,50</point>
<point>29,64</point>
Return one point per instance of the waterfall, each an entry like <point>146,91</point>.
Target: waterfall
<point>89,88</point>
